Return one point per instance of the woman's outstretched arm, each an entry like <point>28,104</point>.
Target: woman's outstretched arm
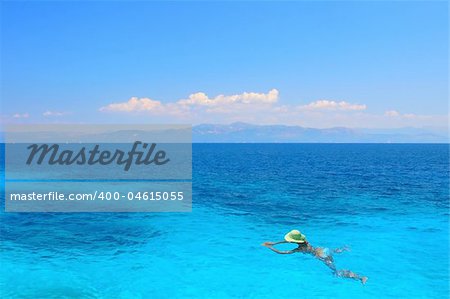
<point>271,244</point>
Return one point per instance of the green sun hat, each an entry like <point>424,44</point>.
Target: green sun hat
<point>295,236</point>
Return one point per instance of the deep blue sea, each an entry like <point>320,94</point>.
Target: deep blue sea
<point>388,202</point>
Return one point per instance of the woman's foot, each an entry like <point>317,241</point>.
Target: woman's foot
<point>342,249</point>
<point>364,279</point>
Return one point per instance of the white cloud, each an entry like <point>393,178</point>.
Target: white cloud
<point>410,115</point>
<point>135,104</point>
<point>49,113</point>
<point>23,115</point>
<point>198,105</point>
<point>392,113</point>
<point>196,100</point>
<point>202,99</point>
<point>332,105</point>
<point>395,113</point>
<point>265,108</point>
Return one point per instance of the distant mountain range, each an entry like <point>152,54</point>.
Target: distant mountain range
<point>247,133</point>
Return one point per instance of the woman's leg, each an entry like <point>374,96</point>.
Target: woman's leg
<point>329,262</point>
<point>352,275</point>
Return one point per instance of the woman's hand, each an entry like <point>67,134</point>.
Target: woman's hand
<point>267,244</point>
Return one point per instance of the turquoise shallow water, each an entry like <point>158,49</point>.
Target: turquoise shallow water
<point>389,203</point>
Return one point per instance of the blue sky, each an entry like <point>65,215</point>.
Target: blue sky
<point>317,64</point>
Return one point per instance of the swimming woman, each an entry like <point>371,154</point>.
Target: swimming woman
<point>323,254</point>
